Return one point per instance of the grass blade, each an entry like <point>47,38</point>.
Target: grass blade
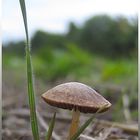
<point>86,124</point>
<point>82,128</point>
<point>31,95</point>
<point>51,126</point>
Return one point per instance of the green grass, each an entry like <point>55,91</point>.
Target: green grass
<point>31,93</point>
<point>119,69</point>
<point>65,63</point>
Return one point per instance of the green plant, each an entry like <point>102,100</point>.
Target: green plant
<point>31,93</point>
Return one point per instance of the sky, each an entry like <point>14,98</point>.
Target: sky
<point>55,15</point>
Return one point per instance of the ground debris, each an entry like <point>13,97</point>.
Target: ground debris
<point>16,126</point>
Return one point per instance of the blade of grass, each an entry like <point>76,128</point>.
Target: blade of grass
<point>31,96</point>
<point>82,128</point>
<point>51,126</point>
<point>86,124</point>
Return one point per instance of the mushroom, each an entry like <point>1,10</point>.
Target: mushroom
<point>77,97</point>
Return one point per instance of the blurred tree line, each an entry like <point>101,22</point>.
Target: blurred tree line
<point>104,48</point>
<point>102,34</point>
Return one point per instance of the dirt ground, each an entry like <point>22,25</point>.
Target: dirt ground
<point>16,120</point>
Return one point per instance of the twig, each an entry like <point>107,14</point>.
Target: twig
<point>127,114</point>
<point>129,129</point>
<point>23,132</point>
<point>25,113</point>
<point>107,132</point>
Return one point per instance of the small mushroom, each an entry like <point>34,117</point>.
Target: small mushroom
<point>77,97</point>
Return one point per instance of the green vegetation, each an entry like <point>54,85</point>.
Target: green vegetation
<point>51,127</point>
<point>29,70</point>
<point>51,65</point>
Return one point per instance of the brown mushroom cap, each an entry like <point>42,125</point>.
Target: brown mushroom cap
<point>74,95</point>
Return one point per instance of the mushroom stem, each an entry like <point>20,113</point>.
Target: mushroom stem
<point>74,122</point>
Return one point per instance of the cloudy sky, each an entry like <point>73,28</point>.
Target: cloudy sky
<point>54,15</point>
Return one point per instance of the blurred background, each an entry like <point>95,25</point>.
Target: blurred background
<point>93,42</point>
